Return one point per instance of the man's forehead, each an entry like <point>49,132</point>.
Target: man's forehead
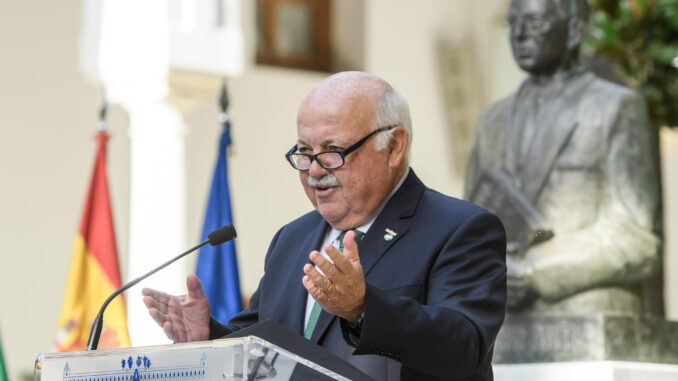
<point>345,93</point>
<point>324,136</point>
<point>334,121</point>
<point>323,143</point>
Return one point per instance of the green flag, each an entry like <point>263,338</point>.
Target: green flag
<point>3,370</point>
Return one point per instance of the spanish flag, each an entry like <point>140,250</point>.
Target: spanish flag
<point>94,273</point>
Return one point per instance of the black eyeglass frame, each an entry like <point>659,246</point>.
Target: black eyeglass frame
<point>533,26</point>
<point>343,153</point>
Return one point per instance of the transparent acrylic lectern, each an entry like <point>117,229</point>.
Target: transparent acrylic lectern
<point>244,358</point>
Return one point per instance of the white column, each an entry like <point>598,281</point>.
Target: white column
<point>157,215</point>
<point>127,51</point>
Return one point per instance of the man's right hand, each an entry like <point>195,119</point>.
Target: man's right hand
<point>183,318</point>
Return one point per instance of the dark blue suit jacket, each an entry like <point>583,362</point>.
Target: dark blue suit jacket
<point>435,294</point>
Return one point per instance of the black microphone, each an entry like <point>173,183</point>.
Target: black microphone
<point>217,237</point>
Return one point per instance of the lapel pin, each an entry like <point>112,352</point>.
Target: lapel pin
<point>390,234</point>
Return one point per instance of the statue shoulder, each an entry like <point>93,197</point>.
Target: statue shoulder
<point>617,107</point>
<point>612,91</point>
<point>501,105</point>
<point>496,113</point>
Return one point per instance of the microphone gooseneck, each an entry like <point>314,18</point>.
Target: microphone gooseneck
<point>217,237</point>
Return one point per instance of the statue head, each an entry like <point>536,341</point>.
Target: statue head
<point>546,34</point>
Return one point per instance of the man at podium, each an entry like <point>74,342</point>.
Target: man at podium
<point>395,278</point>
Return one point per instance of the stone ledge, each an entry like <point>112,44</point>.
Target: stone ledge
<point>586,371</point>
<point>532,339</point>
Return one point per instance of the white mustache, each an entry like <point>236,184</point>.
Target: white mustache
<point>329,180</point>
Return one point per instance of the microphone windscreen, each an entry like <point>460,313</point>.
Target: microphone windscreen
<point>221,235</point>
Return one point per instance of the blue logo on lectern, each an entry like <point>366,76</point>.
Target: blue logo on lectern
<point>140,370</point>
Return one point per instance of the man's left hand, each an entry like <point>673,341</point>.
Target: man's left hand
<point>341,291</point>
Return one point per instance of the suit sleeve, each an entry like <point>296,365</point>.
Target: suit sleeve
<point>623,245</point>
<point>248,316</point>
<point>452,333</point>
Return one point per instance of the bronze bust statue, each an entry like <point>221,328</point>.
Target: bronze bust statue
<point>569,162</point>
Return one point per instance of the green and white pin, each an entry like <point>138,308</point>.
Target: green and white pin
<point>390,234</point>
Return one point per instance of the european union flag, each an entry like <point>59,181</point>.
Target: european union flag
<point>217,265</point>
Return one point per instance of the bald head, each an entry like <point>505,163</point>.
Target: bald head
<point>365,96</point>
<point>349,84</point>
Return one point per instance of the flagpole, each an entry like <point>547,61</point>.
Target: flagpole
<point>103,112</point>
<point>217,268</point>
<point>223,105</point>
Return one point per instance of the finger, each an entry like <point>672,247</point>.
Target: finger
<point>341,263</point>
<point>159,317</point>
<point>317,278</point>
<point>323,264</point>
<point>154,304</point>
<point>159,296</point>
<point>351,247</point>
<point>194,286</point>
<point>170,332</point>
<point>313,289</point>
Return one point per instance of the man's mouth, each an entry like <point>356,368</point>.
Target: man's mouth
<point>323,191</point>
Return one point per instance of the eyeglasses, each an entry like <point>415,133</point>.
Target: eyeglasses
<point>532,25</point>
<point>327,159</point>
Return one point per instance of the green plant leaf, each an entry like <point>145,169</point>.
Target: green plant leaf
<point>641,38</point>
<point>663,53</point>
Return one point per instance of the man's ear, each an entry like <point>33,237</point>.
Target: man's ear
<point>397,146</point>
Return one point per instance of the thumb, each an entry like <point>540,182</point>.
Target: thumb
<point>194,286</point>
<point>351,247</point>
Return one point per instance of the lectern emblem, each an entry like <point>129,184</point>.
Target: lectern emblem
<point>139,368</point>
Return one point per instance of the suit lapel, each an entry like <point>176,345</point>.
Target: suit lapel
<point>552,141</point>
<point>513,130</point>
<point>297,307</point>
<point>396,217</point>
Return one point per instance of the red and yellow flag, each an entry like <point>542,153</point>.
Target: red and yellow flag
<point>94,273</point>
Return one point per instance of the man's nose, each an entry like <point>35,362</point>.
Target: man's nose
<point>316,170</point>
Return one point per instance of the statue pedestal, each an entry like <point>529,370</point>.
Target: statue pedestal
<point>596,347</point>
<point>586,371</point>
<point>535,339</point>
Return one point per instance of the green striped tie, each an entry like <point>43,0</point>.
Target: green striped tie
<point>315,311</point>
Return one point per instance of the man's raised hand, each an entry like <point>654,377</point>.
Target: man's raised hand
<point>184,318</point>
<point>341,291</point>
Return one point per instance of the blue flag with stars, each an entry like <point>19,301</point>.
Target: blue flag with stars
<point>217,265</point>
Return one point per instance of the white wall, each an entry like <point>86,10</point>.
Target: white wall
<point>401,41</point>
